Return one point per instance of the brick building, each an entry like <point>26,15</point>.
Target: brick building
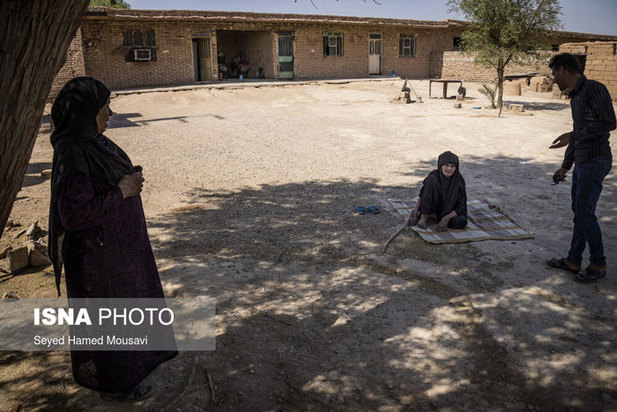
<point>133,48</point>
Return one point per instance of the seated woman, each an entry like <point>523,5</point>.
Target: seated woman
<point>442,197</point>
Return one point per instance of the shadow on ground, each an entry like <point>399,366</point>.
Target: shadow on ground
<point>311,316</point>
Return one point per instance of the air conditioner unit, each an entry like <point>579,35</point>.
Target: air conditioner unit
<point>142,54</point>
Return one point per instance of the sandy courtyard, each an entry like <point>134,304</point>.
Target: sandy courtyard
<point>250,195</point>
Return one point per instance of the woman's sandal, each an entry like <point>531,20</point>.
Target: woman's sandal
<point>590,275</point>
<point>560,263</point>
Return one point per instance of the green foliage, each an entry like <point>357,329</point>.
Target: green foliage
<point>507,28</point>
<point>490,93</point>
<point>114,4</point>
<point>502,31</point>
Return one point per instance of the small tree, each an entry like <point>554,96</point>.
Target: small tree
<point>505,31</point>
<point>490,93</point>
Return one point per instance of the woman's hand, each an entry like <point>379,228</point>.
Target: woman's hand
<point>131,185</point>
<point>413,220</point>
<point>442,225</point>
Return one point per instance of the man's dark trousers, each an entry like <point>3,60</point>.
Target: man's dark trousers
<point>586,188</point>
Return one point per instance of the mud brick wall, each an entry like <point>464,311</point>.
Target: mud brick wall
<point>457,65</point>
<point>73,66</point>
<point>601,62</point>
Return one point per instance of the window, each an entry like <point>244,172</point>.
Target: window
<point>407,45</point>
<point>332,44</point>
<point>137,43</point>
<point>456,44</point>
<point>143,38</point>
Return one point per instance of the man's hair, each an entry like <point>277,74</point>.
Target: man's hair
<point>567,61</point>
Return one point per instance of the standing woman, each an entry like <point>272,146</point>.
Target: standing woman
<point>443,196</point>
<point>97,230</point>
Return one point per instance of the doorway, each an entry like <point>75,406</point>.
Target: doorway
<point>374,53</point>
<point>201,59</point>
<point>286,55</point>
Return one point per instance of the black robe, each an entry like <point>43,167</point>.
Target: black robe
<point>100,237</point>
<point>440,194</point>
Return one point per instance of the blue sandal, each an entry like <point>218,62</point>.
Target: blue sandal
<point>373,209</point>
<point>361,210</point>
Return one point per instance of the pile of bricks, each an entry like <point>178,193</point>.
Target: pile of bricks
<point>24,252</point>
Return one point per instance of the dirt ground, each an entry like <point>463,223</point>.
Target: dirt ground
<point>250,195</point>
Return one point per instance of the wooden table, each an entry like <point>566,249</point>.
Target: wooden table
<point>445,85</point>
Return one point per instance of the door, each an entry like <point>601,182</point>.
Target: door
<point>374,54</point>
<point>286,55</point>
<point>201,59</point>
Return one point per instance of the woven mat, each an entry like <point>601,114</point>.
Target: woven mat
<point>484,222</point>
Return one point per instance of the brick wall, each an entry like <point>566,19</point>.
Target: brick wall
<point>457,65</point>
<point>601,62</point>
<point>73,67</point>
<point>104,53</point>
<point>311,63</point>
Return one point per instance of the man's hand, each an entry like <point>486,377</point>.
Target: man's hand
<point>561,141</point>
<point>560,175</point>
<point>131,185</point>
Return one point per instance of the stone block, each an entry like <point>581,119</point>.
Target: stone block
<point>16,259</point>
<point>3,251</point>
<point>36,258</point>
<point>512,89</point>
<point>517,107</point>
<point>37,253</point>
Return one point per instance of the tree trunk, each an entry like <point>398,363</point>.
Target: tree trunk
<point>33,47</point>
<point>500,73</point>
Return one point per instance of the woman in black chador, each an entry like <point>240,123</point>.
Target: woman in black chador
<point>442,197</point>
<point>97,230</point>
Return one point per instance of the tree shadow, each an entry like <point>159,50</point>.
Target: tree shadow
<point>311,315</point>
<point>465,331</point>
